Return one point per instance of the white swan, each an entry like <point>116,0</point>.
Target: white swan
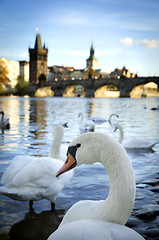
<point>57,150</point>
<point>104,219</point>
<point>31,178</point>
<point>4,122</point>
<point>99,119</point>
<point>134,143</point>
<point>61,122</point>
<point>86,125</point>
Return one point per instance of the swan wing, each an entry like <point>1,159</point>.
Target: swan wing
<point>97,119</point>
<point>35,180</point>
<point>140,143</point>
<point>17,164</point>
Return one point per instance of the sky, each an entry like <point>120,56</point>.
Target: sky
<point>123,32</point>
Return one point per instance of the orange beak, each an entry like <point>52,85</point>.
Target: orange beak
<point>68,165</point>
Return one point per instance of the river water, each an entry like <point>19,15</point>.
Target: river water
<point>31,121</point>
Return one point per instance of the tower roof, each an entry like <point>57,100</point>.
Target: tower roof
<point>91,57</point>
<point>38,44</point>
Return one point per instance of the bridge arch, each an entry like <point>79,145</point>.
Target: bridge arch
<point>74,90</point>
<point>107,90</point>
<point>89,86</point>
<point>145,90</point>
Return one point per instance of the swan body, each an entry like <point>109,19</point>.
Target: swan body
<point>155,108</point>
<point>4,122</point>
<point>30,178</point>
<point>104,219</point>
<point>98,119</point>
<point>86,125</point>
<point>94,230</point>
<point>134,143</point>
<point>61,122</point>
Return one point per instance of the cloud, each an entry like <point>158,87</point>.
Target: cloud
<point>149,43</point>
<point>127,41</point>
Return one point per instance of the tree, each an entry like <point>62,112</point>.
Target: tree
<point>3,76</point>
<point>22,87</point>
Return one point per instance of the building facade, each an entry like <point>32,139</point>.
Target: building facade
<point>24,70</point>
<point>38,62</point>
<point>13,71</point>
<point>92,62</point>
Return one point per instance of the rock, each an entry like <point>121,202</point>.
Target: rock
<point>152,233</point>
<point>149,215</point>
<point>133,222</point>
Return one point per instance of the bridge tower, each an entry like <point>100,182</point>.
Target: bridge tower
<point>92,62</point>
<point>38,62</point>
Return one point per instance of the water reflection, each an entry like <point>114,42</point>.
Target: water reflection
<point>35,225</point>
<point>31,134</point>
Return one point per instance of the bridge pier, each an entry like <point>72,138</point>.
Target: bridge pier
<point>124,87</point>
<point>124,93</point>
<point>32,89</point>
<point>89,93</point>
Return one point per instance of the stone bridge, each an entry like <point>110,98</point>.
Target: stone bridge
<point>124,85</point>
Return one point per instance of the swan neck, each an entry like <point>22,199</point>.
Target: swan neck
<point>2,116</point>
<point>55,145</point>
<point>81,116</point>
<point>54,113</point>
<point>122,190</point>
<point>121,134</point>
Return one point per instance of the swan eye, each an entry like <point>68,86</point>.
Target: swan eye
<point>73,149</point>
<point>78,145</point>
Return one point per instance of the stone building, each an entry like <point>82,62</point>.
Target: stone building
<point>92,62</point>
<point>38,62</point>
<point>13,71</point>
<point>117,73</point>
<point>24,70</point>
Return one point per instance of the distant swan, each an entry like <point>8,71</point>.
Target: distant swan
<point>134,143</point>
<point>86,125</point>
<point>155,108</point>
<point>104,219</point>
<point>31,178</point>
<point>4,122</point>
<point>61,122</point>
<point>99,119</point>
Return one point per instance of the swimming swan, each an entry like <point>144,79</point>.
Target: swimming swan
<point>99,119</point>
<point>134,143</point>
<point>4,122</point>
<point>31,178</point>
<point>86,125</point>
<point>104,219</point>
<point>61,122</point>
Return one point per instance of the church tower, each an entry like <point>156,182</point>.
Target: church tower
<point>38,62</point>
<point>92,62</point>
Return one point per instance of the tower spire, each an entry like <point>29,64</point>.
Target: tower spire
<point>92,50</point>
<point>38,44</point>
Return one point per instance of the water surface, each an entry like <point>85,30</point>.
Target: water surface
<point>31,121</point>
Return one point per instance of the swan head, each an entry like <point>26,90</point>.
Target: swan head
<point>89,148</point>
<point>117,126</point>
<point>110,118</point>
<point>71,160</point>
